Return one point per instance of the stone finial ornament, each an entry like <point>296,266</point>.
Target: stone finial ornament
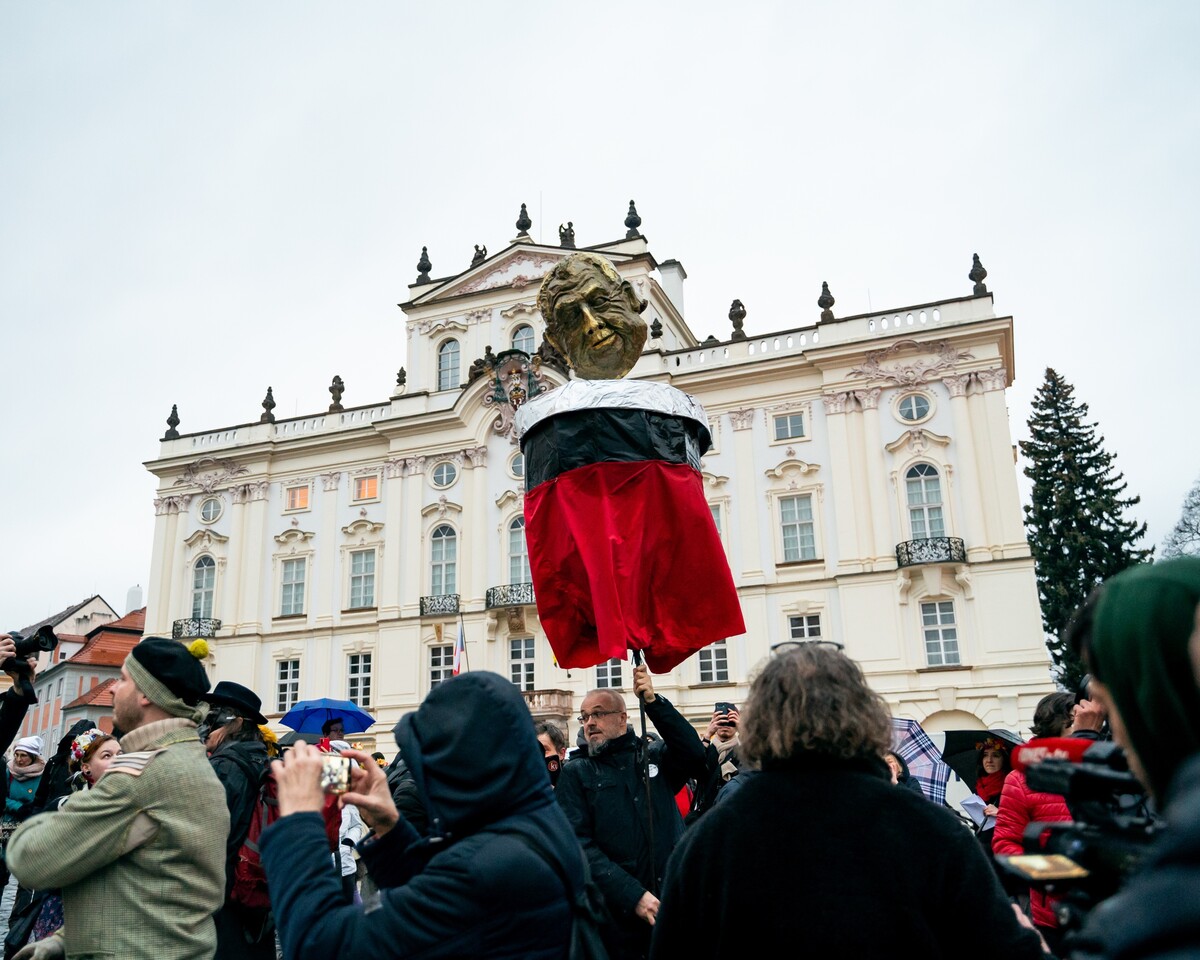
<point>268,405</point>
<point>424,266</point>
<point>632,222</point>
<point>480,255</point>
<point>737,316</point>
<point>655,329</point>
<point>978,275</point>
<point>566,235</point>
<point>172,423</point>
<point>336,389</point>
<point>523,223</point>
<point>825,301</point>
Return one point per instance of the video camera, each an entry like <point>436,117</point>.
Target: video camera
<point>41,642</point>
<point>1086,861</point>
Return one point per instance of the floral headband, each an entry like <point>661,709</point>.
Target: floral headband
<point>79,746</point>
<point>991,743</point>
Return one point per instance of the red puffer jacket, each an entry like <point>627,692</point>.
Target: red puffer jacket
<point>1019,807</point>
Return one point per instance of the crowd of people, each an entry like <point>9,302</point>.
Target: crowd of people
<point>791,823</point>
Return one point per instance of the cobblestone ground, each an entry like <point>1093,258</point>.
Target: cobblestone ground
<point>6,905</point>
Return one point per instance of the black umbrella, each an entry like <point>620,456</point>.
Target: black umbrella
<point>961,751</point>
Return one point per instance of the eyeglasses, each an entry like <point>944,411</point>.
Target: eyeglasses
<point>598,714</point>
<point>788,646</point>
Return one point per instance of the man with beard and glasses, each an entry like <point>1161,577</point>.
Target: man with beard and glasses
<point>604,797</point>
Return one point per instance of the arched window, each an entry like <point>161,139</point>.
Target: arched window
<point>204,580</point>
<point>523,339</point>
<point>924,491</point>
<point>444,561</point>
<point>518,553</point>
<point>447,377</point>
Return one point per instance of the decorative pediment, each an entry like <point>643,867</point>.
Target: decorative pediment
<point>510,496</point>
<point>712,480</point>
<point>518,267</point>
<point>442,506</point>
<point>524,308</point>
<point>205,539</point>
<point>792,466</point>
<point>918,440</point>
<point>294,537</point>
<point>361,528</point>
<point>207,472</point>
<point>935,358</point>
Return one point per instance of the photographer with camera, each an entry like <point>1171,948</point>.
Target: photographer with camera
<point>1134,635</point>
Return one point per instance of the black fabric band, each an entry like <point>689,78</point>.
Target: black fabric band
<point>609,435</point>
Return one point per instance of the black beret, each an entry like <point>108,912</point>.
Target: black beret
<point>172,665</point>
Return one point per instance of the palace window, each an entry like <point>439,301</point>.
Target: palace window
<point>714,663</point>
<point>443,561</point>
<point>358,679</point>
<point>924,491</point>
<point>796,526</point>
<point>523,339</point>
<point>804,627</point>
<point>789,426</point>
<point>287,685</point>
<point>444,474</point>
<point>366,488</point>
<point>296,498</point>
<point>362,578</point>
<point>518,553</point>
<point>447,365</point>
<point>441,663</point>
<point>913,407</point>
<point>941,633</point>
<point>291,599</point>
<point>520,662</point>
<point>609,674</point>
<point>204,580</point>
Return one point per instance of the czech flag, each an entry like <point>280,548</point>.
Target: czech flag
<point>460,649</point>
<point>623,549</point>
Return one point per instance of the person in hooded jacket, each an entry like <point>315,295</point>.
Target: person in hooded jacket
<point>238,756</point>
<point>494,877</point>
<point>900,773</point>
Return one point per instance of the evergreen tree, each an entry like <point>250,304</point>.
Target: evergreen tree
<point>1076,523</point>
<point>1184,539</point>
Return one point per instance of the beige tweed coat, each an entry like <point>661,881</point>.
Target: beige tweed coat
<point>140,857</point>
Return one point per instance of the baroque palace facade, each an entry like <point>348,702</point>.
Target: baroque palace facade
<point>862,479</point>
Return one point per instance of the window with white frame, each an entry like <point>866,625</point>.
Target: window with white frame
<point>715,508</point>
<point>441,663</point>
<point>796,527</point>
<point>941,633</point>
<point>518,553</point>
<point>804,627</point>
<point>287,685</point>
<point>443,474</point>
<point>609,674</point>
<point>447,365</point>
<point>520,662</point>
<point>443,561</point>
<point>204,581</point>
<point>714,663</point>
<point>366,488</point>
<point>296,498</point>
<point>923,489</point>
<point>913,407</point>
<point>210,509</point>
<point>516,466</point>
<point>523,339</point>
<point>789,426</point>
<point>358,679</point>
<point>362,578</point>
<point>291,600</point>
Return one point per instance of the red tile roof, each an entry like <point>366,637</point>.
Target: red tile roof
<point>109,644</point>
<point>100,695</point>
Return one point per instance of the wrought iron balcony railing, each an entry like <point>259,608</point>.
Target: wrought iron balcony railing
<point>440,605</point>
<point>509,595</point>
<point>195,628</point>
<point>931,550</point>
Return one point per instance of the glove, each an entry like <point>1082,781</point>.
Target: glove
<point>49,949</point>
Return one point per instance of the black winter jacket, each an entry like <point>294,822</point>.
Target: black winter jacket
<point>470,889</point>
<point>241,766</point>
<point>604,797</point>
<point>14,704</point>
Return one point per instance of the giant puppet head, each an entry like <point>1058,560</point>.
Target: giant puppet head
<point>592,317</point>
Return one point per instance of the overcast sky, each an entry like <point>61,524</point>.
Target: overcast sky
<point>201,199</point>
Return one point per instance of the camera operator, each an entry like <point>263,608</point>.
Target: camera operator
<point>1134,636</point>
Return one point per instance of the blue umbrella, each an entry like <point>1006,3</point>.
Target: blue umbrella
<point>308,716</point>
<point>924,759</point>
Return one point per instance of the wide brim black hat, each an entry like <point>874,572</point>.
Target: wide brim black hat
<point>242,699</point>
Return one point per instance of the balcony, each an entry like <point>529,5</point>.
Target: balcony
<point>931,550</point>
<point>195,628</point>
<point>509,595</point>
<point>445,604</point>
<point>547,704</point>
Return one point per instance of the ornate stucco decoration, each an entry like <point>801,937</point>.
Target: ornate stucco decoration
<point>361,528</point>
<point>792,471</point>
<point>442,506</point>
<point>294,538</point>
<point>518,272</point>
<point>742,419</point>
<point>512,378</point>
<point>525,307</point>
<point>511,496</point>
<point>712,480</point>
<point>835,402</point>
<point>329,481</point>
<point>221,472</point>
<point>918,369</point>
<point>918,440</point>
<point>205,539</point>
<point>176,504</point>
<point>246,492</point>
<point>995,379</point>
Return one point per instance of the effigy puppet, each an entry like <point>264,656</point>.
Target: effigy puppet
<point>623,549</point>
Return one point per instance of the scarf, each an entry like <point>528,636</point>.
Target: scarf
<point>989,785</point>
<point>724,749</point>
<point>28,772</point>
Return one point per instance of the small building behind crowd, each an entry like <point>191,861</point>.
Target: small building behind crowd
<point>862,479</point>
